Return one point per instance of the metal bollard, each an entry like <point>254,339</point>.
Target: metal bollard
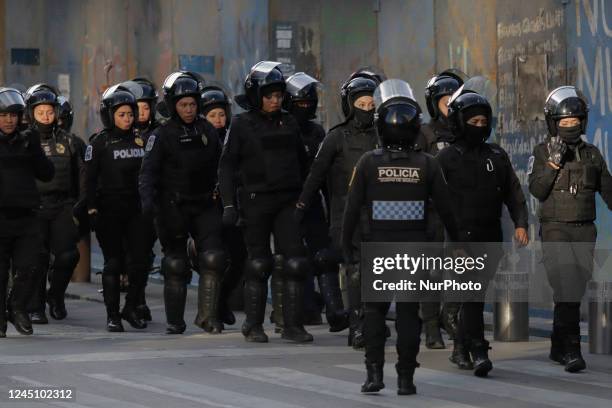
<point>600,313</point>
<point>511,317</point>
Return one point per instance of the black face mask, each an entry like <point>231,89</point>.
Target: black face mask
<point>222,132</point>
<point>44,129</point>
<point>364,118</point>
<point>570,135</point>
<point>475,135</point>
<point>121,132</point>
<point>302,115</point>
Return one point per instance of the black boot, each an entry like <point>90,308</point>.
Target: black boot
<point>131,315</point>
<point>175,296</point>
<point>374,381</point>
<point>57,307</point>
<point>461,356</point>
<point>208,302</point>
<point>23,286</point>
<point>255,295</point>
<point>144,312</point>
<point>433,337</point>
<point>573,356</point>
<point>293,312</point>
<point>39,317</point>
<point>449,319</point>
<point>480,354</point>
<point>337,318</point>
<point>276,285</point>
<point>557,350</point>
<point>405,381</point>
<point>356,338</point>
<point>2,317</point>
<point>21,321</point>
<point>113,323</point>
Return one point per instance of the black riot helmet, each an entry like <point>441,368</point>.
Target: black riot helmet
<point>40,94</point>
<point>463,105</point>
<point>114,97</point>
<point>214,97</point>
<point>445,83</point>
<point>264,77</point>
<point>179,85</point>
<point>565,102</point>
<point>149,94</point>
<point>66,115</point>
<point>11,101</point>
<point>352,89</point>
<point>301,87</point>
<point>398,115</point>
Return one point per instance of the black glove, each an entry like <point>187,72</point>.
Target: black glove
<point>556,151</point>
<point>230,215</point>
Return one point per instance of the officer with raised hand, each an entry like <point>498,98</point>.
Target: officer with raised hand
<point>436,135</point>
<point>398,121</point>
<point>301,99</point>
<point>334,163</point>
<point>22,163</point>
<point>58,231</point>
<point>264,147</point>
<point>177,182</point>
<point>565,173</point>
<point>113,161</point>
<point>481,180</point>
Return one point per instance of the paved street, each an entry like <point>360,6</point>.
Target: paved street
<point>147,368</point>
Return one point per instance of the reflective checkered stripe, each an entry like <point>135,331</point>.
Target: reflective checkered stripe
<point>398,210</point>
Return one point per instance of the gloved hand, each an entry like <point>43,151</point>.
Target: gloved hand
<point>556,151</point>
<point>230,215</point>
<point>299,212</point>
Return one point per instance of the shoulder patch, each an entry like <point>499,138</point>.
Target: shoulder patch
<point>88,153</point>
<point>530,164</point>
<point>150,143</point>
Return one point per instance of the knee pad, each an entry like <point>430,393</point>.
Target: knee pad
<point>258,269</point>
<point>297,268</point>
<point>353,276</point>
<point>113,267</point>
<point>174,267</point>
<point>325,262</point>
<point>67,260</point>
<point>213,260</point>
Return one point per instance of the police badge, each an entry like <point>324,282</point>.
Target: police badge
<point>60,148</point>
<point>139,141</point>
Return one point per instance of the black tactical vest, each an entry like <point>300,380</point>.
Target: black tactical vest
<point>572,198</point>
<point>397,191</point>
<point>190,169</point>
<point>119,166</point>
<point>270,161</point>
<point>17,180</point>
<point>59,149</point>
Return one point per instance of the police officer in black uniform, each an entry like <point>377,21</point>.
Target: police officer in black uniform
<point>565,172</point>
<point>301,99</point>
<point>113,162</point>
<point>481,180</point>
<point>435,136</point>
<point>58,230</point>
<point>22,162</point>
<point>66,114</point>
<point>217,109</point>
<point>334,163</point>
<point>178,179</point>
<point>398,119</point>
<point>145,125</point>
<point>264,146</point>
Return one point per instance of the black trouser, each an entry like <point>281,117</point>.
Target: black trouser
<point>430,311</point>
<point>19,248</point>
<point>407,325</point>
<point>59,236</point>
<point>176,222</point>
<point>124,234</point>
<point>151,242</point>
<point>471,320</point>
<point>233,241</point>
<point>315,232</point>
<point>568,251</point>
<point>265,214</point>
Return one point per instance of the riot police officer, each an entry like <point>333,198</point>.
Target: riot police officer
<point>435,136</point>
<point>565,172</point>
<point>481,180</point>
<point>301,99</point>
<point>66,114</point>
<point>22,162</point>
<point>217,109</point>
<point>264,147</point>
<point>334,162</point>
<point>177,180</point>
<point>58,230</point>
<point>113,161</point>
<point>398,119</point>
